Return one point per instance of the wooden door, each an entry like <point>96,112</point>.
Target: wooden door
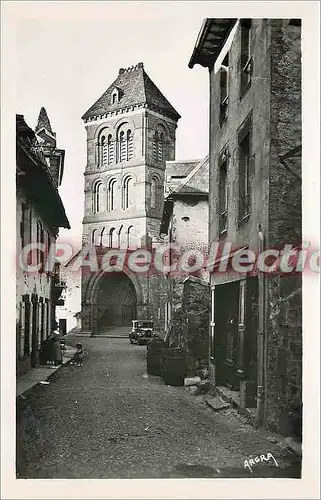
<point>226,331</point>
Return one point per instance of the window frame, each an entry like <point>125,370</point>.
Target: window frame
<point>246,59</point>
<point>126,203</point>
<point>97,192</point>
<point>245,162</point>
<point>224,90</point>
<point>223,165</point>
<point>111,202</point>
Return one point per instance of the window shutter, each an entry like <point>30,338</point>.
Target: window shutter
<point>96,154</point>
<point>129,145</point>
<point>252,166</point>
<point>105,153</point>
<point>224,78</point>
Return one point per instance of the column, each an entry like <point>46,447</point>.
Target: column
<point>22,320</point>
<point>40,306</point>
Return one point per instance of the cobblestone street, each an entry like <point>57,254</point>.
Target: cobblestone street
<point>108,419</point>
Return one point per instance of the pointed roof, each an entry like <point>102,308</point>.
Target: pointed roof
<point>43,121</point>
<point>136,88</point>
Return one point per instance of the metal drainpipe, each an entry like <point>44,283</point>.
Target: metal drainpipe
<point>212,336</point>
<point>261,335</point>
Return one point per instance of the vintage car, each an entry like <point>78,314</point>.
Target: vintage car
<point>142,331</point>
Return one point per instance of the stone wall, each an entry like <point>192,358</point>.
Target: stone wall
<point>284,308</point>
<point>190,321</point>
<point>255,103</point>
<point>274,102</point>
<point>284,355</point>
<point>33,295</point>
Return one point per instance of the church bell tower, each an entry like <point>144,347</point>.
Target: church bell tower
<point>130,136</point>
<point>131,132</point>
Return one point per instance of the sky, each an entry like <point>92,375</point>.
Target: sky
<point>67,57</point>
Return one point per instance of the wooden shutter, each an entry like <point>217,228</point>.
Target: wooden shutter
<point>252,166</point>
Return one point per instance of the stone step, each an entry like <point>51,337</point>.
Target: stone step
<point>217,404</point>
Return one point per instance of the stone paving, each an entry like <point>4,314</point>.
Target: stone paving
<point>109,419</point>
<point>41,374</point>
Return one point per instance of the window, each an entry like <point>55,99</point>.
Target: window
<point>47,243</point>
<point>128,236</point>
<point>224,77</point>
<point>158,147</point>
<point>111,195</point>
<point>104,150</point>
<point>246,165</point>
<point>246,61</point>
<point>115,96</point>
<point>101,236</point>
<point>97,197</point>
<point>110,150</point>
<point>111,237</point>
<point>122,147</point>
<point>223,195</point>
<point>93,237</point>
<point>130,148</point>
<point>119,235</point>
<point>154,198</point>
<point>125,144</point>
<point>25,225</point>
<point>127,192</point>
<point>40,239</point>
<point>155,145</point>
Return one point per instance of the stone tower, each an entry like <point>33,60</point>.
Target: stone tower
<point>130,135</point>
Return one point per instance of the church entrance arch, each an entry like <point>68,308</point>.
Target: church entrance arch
<point>115,301</point>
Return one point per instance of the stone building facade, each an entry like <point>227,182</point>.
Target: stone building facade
<point>255,203</point>
<point>185,225</point>
<point>130,136</point>
<point>40,213</point>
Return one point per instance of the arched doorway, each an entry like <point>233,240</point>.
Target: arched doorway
<point>116,301</point>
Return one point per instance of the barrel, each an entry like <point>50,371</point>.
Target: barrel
<point>173,366</point>
<point>155,350</point>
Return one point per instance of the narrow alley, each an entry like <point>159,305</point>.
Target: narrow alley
<point>109,419</point>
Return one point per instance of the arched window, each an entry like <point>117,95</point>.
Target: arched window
<point>125,143</point>
<point>130,146</point>
<point>111,195</point>
<point>128,236</point>
<point>127,193</point>
<point>97,197</point>
<point>111,237</point>
<point>110,150</point>
<point>160,148</point>
<point>93,237</point>
<point>101,236</point>
<point>119,236</point>
<point>114,98</point>
<point>155,145</point>
<point>122,146</point>
<point>154,193</point>
<point>46,240</point>
<point>104,151</point>
<point>40,239</point>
